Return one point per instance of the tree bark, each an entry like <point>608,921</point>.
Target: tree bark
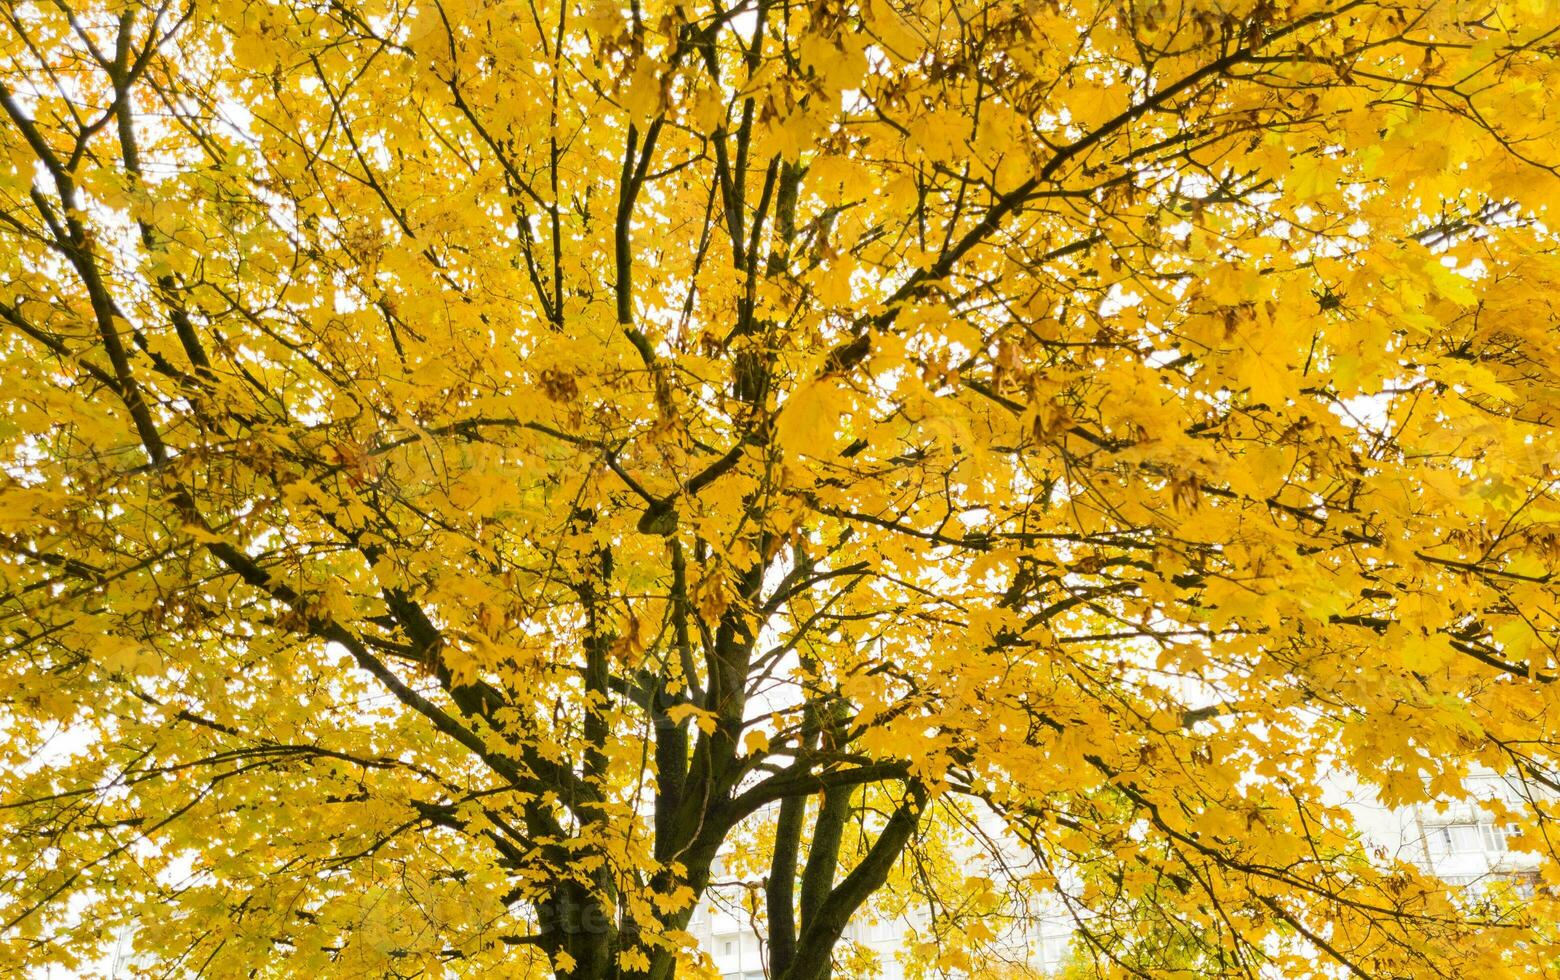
<point>823,927</point>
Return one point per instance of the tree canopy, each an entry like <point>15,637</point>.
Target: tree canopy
<point>469,464</point>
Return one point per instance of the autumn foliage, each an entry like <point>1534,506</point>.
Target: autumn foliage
<point>466,465</point>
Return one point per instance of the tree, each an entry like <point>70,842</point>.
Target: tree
<point>466,461</point>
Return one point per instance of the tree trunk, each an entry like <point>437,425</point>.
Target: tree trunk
<point>574,923</point>
<point>826,922</point>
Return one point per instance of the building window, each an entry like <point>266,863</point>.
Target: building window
<point>728,949</point>
<point>1471,838</point>
<point>1495,837</point>
<point>1053,951</point>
